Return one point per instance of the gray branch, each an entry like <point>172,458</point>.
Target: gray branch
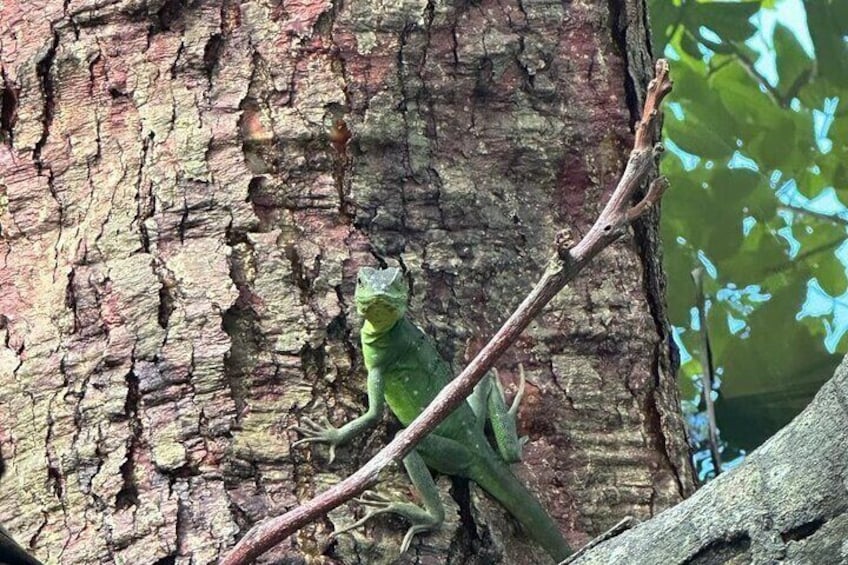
<point>787,503</point>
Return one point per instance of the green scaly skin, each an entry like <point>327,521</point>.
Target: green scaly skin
<point>406,372</point>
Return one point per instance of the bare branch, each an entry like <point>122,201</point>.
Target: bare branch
<point>564,265</point>
<point>655,192</point>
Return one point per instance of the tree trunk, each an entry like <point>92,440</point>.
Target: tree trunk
<point>787,503</point>
<point>180,243</point>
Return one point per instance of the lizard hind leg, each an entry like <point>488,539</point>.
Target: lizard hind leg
<point>421,519</point>
<point>479,399</point>
<point>504,420</point>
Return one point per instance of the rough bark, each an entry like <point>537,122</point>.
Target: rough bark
<point>787,503</point>
<point>180,242</point>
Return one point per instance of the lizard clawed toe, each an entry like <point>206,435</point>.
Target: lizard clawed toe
<point>311,426</point>
<point>318,432</point>
<point>371,499</point>
<point>410,533</point>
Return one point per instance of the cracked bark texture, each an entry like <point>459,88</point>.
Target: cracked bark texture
<point>180,242</point>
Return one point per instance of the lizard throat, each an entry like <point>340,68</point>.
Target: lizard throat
<point>372,333</point>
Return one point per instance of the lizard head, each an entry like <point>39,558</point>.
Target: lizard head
<point>381,296</point>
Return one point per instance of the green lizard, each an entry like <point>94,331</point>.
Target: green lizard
<point>406,372</point>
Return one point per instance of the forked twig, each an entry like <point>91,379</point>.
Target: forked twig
<point>566,262</point>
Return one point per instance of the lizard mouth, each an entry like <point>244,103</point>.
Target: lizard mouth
<point>380,314</point>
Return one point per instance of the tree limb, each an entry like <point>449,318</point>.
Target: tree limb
<point>564,265</point>
<point>786,503</point>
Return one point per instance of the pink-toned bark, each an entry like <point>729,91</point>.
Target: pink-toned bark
<point>179,245</point>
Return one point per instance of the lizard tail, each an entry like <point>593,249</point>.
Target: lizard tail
<point>496,479</point>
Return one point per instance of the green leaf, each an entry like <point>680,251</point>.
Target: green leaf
<point>728,20</point>
<point>794,66</point>
<point>663,15</point>
<point>828,25</point>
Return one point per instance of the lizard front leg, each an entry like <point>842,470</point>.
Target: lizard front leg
<point>325,432</point>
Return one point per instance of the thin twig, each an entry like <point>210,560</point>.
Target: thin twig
<point>707,369</point>
<point>564,265</point>
<point>836,219</point>
<point>747,65</point>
